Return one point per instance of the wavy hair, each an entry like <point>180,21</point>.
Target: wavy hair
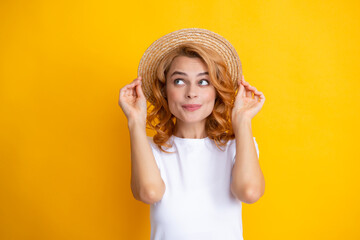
<point>218,124</point>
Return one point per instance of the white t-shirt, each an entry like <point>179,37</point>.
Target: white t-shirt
<point>197,203</point>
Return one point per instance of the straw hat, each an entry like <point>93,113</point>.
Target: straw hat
<point>158,49</point>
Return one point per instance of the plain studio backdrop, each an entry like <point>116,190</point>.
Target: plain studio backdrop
<point>64,145</point>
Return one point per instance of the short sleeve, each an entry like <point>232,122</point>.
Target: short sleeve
<point>233,149</point>
<point>155,151</point>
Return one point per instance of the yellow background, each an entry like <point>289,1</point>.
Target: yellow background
<point>65,157</point>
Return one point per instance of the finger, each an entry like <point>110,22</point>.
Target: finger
<point>128,88</point>
<point>136,80</point>
<point>135,89</point>
<point>242,89</point>
<point>244,82</point>
<point>239,86</point>
<point>246,85</point>
<point>243,79</point>
<point>122,90</point>
<point>248,93</point>
<point>238,90</point>
<point>131,86</point>
<point>256,94</point>
<point>133,83</point>
<point>140,80</point>
<point>255,91</point>
<point>129,93</point>
<point>262,97</point>
<point>139,91</point>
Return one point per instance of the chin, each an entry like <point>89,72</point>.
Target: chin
<point>195,119</point>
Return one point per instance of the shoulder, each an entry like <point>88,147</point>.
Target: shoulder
<point>151,142</point>
<point>232,143</point>
<point>154,146</point>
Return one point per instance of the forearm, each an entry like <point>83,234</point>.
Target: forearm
<point>247,178</point>
<point>146,182</point>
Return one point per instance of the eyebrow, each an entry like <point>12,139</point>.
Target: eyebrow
<point>184,74</point>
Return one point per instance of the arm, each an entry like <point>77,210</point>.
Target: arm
<point>248,183</point>
<point>146,182</point>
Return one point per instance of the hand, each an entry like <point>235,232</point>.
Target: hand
<point>133,102</point>
<point>245,105</point>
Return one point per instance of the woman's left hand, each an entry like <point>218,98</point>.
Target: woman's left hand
<point>245,105</point>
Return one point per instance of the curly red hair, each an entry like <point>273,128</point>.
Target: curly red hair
<point>218,124</point>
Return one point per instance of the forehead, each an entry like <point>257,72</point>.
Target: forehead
<point>184,63</point>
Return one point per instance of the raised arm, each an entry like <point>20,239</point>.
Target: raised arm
<point>146,182</point>
<point>248,183</point>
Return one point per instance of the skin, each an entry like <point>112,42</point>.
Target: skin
<point>248,183</point>
<point>189,88</point>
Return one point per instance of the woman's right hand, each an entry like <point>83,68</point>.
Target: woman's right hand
<point>133,102</point>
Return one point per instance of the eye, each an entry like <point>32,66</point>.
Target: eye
<point>206,82</point>
<point>176,81</point>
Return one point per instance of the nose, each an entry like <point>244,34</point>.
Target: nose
<point>192,91</point>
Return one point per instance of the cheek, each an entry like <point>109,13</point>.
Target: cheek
<point>173,94</point>
<point>211,96</point>
<point>173,98</point>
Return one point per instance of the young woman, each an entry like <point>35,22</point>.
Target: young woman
<point>202,163</point>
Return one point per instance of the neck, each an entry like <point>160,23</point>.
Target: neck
<point>190,130</point>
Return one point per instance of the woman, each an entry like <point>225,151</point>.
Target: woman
<point>202,162</point>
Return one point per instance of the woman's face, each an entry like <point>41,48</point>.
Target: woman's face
<point>190,95</point>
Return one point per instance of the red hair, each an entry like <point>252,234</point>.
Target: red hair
<point>218,124</point>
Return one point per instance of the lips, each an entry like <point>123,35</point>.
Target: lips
<point>191,107</point>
